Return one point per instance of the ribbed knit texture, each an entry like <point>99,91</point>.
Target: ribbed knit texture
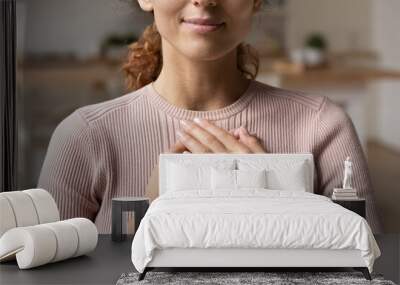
<point>109,149</point>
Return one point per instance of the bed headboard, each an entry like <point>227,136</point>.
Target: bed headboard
<point>273,159</point>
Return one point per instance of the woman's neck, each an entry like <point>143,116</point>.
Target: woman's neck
<point>200,85</point>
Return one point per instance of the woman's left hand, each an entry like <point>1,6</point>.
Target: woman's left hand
<point>202,136</point>
<point>205,137</point>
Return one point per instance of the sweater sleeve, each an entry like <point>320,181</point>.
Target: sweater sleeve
<point>337,139</point>
<point>68,170</point>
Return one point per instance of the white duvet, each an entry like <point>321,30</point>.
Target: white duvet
<point>251,218</point>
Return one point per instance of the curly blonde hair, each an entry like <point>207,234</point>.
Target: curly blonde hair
<point>143,62</point>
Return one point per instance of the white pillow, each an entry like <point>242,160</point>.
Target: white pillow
<point>251,178</point>
<point>283,175</point>
<point>294,178</point>
<point>186,176</point>
<point>237,179</point>
<point>223,179</point>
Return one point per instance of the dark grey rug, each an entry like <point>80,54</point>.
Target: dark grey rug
<point>269,278</point>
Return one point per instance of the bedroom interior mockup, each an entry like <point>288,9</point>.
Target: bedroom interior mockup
<point>229,212</point>
<point>248,210</point>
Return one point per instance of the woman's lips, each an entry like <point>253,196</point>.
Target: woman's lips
<point>202,28</point>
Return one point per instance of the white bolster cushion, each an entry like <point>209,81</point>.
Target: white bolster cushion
<point>87,233</point>
<point>32,246</point>
<point>23,208</point>
<point>46,207</point>
<point>67,240</point>
<point>7,218</point>
<point>44,243</point>
<point>26,208</point>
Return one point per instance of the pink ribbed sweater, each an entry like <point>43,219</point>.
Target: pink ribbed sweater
<point>109,149</point>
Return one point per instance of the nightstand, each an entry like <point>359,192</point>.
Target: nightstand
<point>130,205</point>
<point>356,205</point>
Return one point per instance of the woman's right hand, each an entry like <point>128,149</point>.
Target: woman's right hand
<point>203,136</point>
<point>179,147</point>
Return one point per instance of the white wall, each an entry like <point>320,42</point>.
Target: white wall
<point>76,26</point>
<point>386,32</point>
<point>346,23</point>
<point>384,95</point>
<point>384,118</point>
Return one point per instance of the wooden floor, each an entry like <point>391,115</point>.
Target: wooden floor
<point>384,165</point>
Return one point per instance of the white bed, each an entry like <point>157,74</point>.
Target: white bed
<point>282,224</point>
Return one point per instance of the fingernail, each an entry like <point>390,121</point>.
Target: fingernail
<point>244,131</point>
<point>179,134</point>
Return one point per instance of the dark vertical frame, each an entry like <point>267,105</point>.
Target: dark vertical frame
<point>8,122</point>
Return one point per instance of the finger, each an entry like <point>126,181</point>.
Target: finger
<point>234,132</point>
<point>178,147</point>
<point>204,137</point>
<point>252,142</point>
<point>192,144</point>
<point>223,136</point>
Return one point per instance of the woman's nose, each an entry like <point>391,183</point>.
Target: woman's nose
<point>204,2</point>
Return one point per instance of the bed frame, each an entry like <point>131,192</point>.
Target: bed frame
<point>248,259</point>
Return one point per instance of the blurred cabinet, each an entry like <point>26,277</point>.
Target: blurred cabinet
<point>46,95</point>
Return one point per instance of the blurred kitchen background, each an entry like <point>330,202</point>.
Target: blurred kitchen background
<point>70,54</point>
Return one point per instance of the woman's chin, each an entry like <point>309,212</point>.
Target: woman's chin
<point>203,54</point>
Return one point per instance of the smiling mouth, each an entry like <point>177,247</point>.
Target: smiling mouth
<point>202,27</point>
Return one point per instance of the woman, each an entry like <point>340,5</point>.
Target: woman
<point>177,72</point>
